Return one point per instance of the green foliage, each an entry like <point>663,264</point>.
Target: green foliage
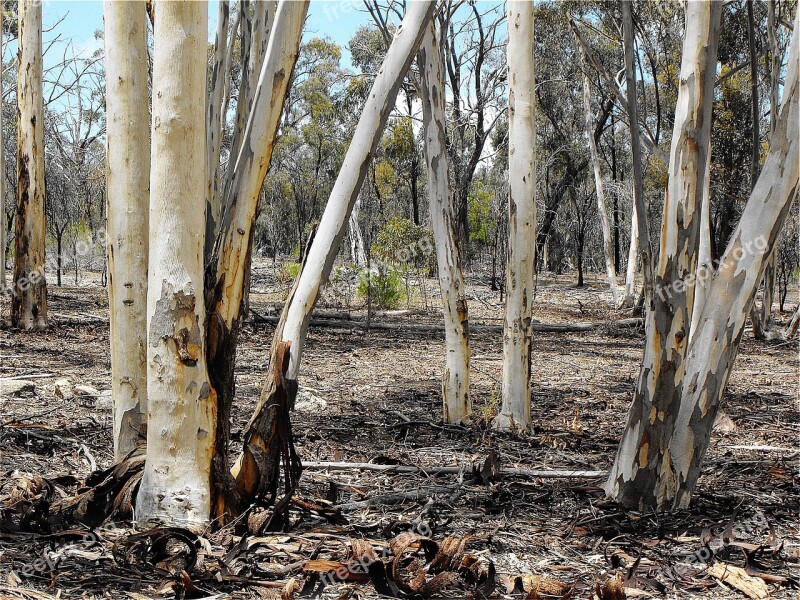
<point>479,214</point>
<point>287,274</point>
<point>384,285</point>
<point>401,242</point>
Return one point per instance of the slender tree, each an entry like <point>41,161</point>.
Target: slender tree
<point>455,380</point>
<point>515,412</point>
<point>127,209</point>
<point>176,484</point>
<point>267,435</point>
<point>29,291</point>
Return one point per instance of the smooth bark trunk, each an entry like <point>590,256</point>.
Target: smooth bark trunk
<point>455,380</point>
<point>176,485</point>
<point>605,224</point>
<point>731,292</point>
<point>29,287</point>
<point>515,412</point>
<point>268,434</point>
<point>645,252</point>
<point>640,475</point>
<point>127,209</point>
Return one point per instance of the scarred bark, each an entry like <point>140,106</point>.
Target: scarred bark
<point>515,412</point>
<point>182,411</point>
<point>455,380</point>
<point>226,275</point>
<point>29,287</point>
<point>646,438</point>
<point>258,467</point>
<point>127,209</point>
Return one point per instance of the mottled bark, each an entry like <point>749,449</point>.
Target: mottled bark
<point>455,380</point>
<point>515,412</point>
<point>29,287</point>
<point>635,476</point>
<point>731,292</point>
<point>127,209</point>
<point>182,410</point>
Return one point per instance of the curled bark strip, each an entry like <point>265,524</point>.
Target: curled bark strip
<point>170,549</point>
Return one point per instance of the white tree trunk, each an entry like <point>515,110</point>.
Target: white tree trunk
<point>633,261</point>
<point>357,251</point>
<point>455,380</point>
<point>713,351</point>
<point>127,209</point>
<point>640,210</point>
<point>176,485</point>
<point>515,412</point>
<point>323,250</point>
<point>635,476</point>
<point>214,127</point>
<point>257,468</point>
<point>29,291</point>
<point>605,225</point>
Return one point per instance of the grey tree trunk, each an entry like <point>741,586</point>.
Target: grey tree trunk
<point>644,448</point>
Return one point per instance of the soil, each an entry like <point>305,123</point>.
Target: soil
<point>382,396</point>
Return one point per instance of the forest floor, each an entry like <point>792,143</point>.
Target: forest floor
<point>374,397</point>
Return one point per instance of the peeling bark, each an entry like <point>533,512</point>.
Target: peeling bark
<point>226,275</point>
<point>29,287</point>
<point>715,346</point>
<point>182,409</point>
<point>266,423</point>
<point>455,380</point>
<point>127,209</point>
<point>515,412</point>
<point>635,476</point>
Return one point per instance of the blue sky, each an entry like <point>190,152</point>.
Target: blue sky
<point>337,19</point>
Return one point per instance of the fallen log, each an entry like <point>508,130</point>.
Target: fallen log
<point>465,469</point>
<point>359,323</point>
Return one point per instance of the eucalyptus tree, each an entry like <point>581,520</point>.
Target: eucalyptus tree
<point>684,372</point>
<point>29,286</point>
<point>128,205</point>
<point>515,412</point>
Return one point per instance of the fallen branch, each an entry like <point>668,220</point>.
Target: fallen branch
<point>466,469</point>
<point>437,328</point>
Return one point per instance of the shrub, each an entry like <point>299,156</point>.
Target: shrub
<point>385,286</point>
<point>286,275</point>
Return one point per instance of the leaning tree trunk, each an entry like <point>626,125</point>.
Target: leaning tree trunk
<point>605,225</point>
<point>182,408</point>
<point>640,208</point>
<point>644,449</point>
<point>29,287</point>
<point>226,275</point>
<point>127,209</point>
<point>731,292</point>
<point>762,327</point>
<point>515,412</point>
<point>455,380</point>
<point>220,72</point>
<point>267,435</point>
<point>2,186</point>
